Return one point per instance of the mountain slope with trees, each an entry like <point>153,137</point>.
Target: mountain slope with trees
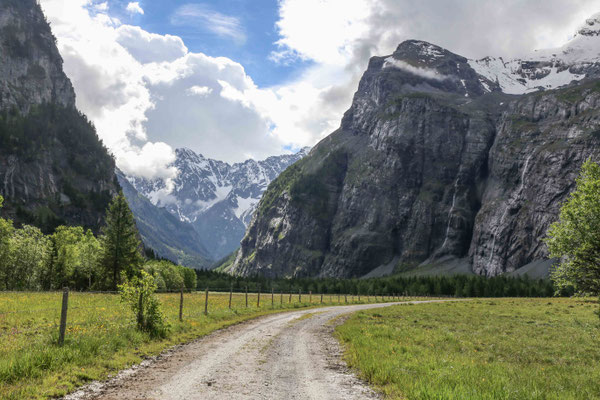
<point>54,170</point>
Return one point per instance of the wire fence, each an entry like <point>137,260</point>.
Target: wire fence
<point>28,317</point>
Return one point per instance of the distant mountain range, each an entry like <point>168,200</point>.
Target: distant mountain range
<point>214,198</point>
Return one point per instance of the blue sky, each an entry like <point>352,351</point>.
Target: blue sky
<point>257,23</point>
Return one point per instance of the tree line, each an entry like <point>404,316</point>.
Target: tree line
<point>74,258</point>
<point>456,286</point>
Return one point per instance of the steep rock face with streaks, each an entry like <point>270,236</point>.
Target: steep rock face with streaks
<point>434,168</point>
<point>53,168</point>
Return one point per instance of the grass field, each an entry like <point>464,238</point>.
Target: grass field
<point>101,336</point>
<point>480,349</point>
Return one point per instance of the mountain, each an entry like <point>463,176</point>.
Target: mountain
<point>54,170</point>
<point>164,233</point>
<point>436,168</point>
<point>217,199</point>
<point>550,68</point>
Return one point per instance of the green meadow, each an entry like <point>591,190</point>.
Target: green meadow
<point>479,349</point>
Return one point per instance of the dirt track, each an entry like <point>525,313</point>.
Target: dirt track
<point>281,356</point>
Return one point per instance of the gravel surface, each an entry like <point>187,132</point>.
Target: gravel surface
<point>289,355</point>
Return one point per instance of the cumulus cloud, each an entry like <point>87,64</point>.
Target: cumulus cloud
<point>201,15</point>
<point>134,8</point>
<point>148,161</point>
<point>143,90</point>
<point>148,47</point>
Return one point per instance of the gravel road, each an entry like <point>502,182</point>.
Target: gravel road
<point>290,355</point>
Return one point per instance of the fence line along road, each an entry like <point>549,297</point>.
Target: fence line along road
<point>182,309</point>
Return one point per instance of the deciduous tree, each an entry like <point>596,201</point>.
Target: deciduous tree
<point>575,237</point>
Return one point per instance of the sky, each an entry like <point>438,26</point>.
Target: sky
<point>239,79</point>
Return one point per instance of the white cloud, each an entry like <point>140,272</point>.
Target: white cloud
<point>149,47</point>
<point>423,72</point>
<point>199,91</point>
<point>201,15</point>
<point>101,6</point>
<point>323,31</point>
<point>148,161</point>
<point>134,8</point>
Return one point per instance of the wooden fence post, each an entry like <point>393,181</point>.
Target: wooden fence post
<point>258,298</point>
<point>290,300</point>
<point>359,296</point>
<point>230,295</point>
<point>140,316</point>
<point>345,298</point>
<point>299,295</point>
<point>338,297</point>
<point>63,317</point>
<point>181,305</point>
<point>272,298</point>
<point>281,297</point>
<point>321,298</point>
<point>206,302</point>
<point>310,296</point>
<point>246,296</point>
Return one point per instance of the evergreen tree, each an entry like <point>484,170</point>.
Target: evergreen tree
<point>121,246</point>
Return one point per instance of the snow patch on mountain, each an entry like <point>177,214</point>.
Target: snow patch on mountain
<point>548,68</point>
<point>217,198</point>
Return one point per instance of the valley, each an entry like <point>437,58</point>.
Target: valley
<point>299,200</point>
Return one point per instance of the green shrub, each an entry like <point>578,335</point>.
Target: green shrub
<point>139,294</point>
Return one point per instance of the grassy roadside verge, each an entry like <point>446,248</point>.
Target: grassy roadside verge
<point>481,349</point>
<point>101,338</point>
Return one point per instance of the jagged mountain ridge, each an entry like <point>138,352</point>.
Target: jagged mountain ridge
<point>216,198</point>
<point>53,168</point>
<point>163,232</point>
<point>433,166</point>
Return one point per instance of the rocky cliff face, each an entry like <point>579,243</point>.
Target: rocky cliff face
<point>433,164</point>
<point>53,168</point>
<point>216,198</point>
<point>30,67</point>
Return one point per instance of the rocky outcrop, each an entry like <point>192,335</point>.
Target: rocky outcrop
<point>53,168</point>
<point>431,163</point>
<point>30,65</point>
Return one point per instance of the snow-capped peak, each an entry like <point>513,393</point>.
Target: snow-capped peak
<point>548,68</point>
<point>217,198</point>
<point>591,26</point>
